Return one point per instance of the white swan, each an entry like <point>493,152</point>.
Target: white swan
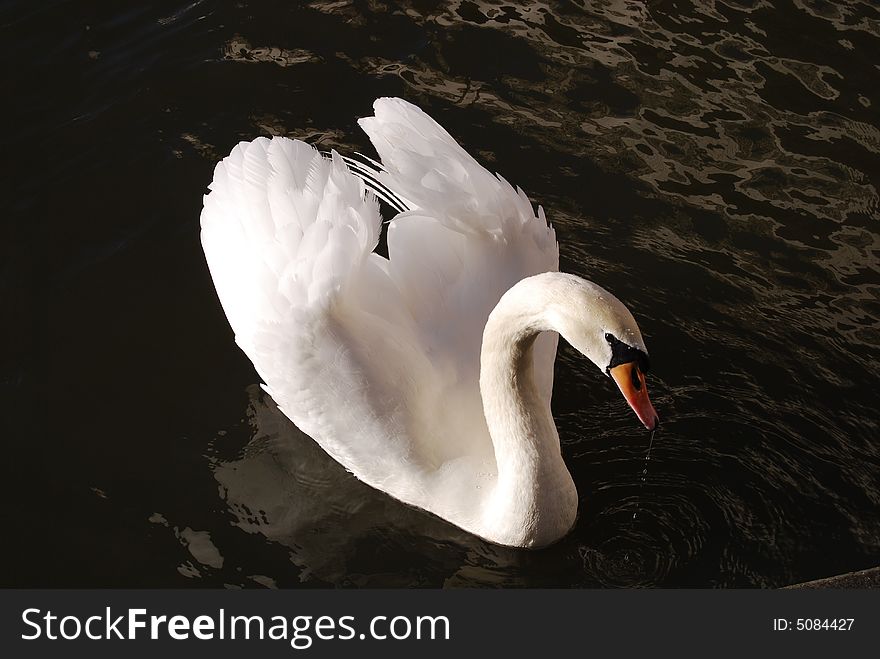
<point>428,374</point>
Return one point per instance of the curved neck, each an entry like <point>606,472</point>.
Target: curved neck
<point>535,500</point>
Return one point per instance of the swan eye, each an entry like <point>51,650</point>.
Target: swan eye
<point>621,353</point>
<point>637,382</point>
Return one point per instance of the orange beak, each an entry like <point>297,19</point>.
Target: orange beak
<point>631,382</point>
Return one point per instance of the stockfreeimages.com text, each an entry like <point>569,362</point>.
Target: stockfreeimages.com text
<point>300,631</point>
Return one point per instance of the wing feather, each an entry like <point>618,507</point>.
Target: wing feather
<point>475,235</point>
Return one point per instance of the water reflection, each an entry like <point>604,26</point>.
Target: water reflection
<point>281,485</point>
<point>714,164</point>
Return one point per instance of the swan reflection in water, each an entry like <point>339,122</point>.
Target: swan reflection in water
<point>284,487</point>
<point>338,530</point>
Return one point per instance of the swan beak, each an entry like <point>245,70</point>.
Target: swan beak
<point>631,382</point>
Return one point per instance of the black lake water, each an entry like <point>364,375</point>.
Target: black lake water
<point>714,164</point>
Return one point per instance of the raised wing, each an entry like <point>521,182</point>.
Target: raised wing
<point>468,238</point>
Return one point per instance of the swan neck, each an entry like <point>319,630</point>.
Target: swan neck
<point>535,500</point>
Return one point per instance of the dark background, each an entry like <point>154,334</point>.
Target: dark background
<point>714,164</point>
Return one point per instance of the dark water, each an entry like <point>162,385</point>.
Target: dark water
<point>714,164</point>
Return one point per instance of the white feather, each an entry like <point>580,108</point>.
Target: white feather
<point>379,359</point>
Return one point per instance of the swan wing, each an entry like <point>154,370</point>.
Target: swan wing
<point>466,239</point>
<point>288,235</point>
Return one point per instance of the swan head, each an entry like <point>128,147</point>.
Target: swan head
<point>599,326</point>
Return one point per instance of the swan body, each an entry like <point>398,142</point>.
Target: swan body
<point>427,374</point>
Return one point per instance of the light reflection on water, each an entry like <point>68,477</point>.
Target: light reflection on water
<point>715,164</point>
